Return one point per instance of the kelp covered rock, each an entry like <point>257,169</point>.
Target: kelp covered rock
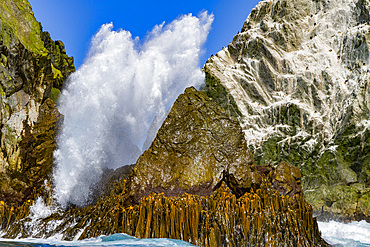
<point>32,70</point>
<point>196,148</point>
<point>263,217</point>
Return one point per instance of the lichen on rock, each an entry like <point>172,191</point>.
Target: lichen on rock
<point>298,73</point>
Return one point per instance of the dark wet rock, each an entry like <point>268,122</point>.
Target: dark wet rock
<point>110,181</point>
<point>287,179</point>
<point>37,149</point>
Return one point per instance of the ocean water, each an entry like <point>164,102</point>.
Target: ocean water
<point>354,234</point>
<point>119,239</point>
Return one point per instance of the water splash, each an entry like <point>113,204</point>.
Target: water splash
<point>356,233</point>
<point>40,210</point>
<point>110,102</point>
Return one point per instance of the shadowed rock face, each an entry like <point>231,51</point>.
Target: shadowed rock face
<point>197,147</point>
<point>37,147</point>
<point>32,71</point>
<point>286,179</point>
<point>297,77</point>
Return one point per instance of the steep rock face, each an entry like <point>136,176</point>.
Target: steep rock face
<point>196,148</point>
<point>297,76</point>
<point>32,69</point>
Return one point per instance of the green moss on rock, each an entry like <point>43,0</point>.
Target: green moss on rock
<point>214,89</point>
<point>32,70</point>
<point>54,94</point>
<point>18,22</point>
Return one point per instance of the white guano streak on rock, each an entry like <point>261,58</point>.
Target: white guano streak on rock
<point>320,54</point>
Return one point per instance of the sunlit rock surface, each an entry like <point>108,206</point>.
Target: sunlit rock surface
<point>297,76</point>
<point>32,70</point>
<point>196,148</point>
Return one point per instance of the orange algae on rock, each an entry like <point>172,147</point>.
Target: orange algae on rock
<point>258,218</point>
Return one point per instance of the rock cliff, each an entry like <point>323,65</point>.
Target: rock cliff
<point>32,71</point>
<point>297,78</point>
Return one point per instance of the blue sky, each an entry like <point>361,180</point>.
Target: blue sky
<point>76,21</point>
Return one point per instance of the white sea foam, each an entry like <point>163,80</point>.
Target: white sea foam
<point>120,239</point>
<point>110,102</point>
<point>346,234</point>
<point>40,210</point>
<point>354,234</point>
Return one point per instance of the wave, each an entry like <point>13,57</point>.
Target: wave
<point>117,240</point>
<point>353,234</point>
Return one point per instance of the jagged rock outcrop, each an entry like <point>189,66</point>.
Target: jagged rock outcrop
<point>297,77</point>
<point>196,148</point>
<point>233,203</point>
<point>32,70</point>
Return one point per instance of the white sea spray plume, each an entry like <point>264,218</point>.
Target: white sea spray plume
<point>109,103</point>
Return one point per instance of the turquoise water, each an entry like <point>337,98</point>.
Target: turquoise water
<point>354,234</point>
<point>121,240</point>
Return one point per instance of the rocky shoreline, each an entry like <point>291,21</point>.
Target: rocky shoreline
<point>205,178</point>
<point>239,204</point>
